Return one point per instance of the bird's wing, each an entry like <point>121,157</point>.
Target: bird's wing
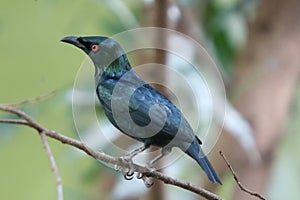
<point>132,94</point>
<point>167,116</point>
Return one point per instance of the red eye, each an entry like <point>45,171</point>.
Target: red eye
<point>95,47</point>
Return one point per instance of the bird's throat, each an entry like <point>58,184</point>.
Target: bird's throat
<point>114,70</point>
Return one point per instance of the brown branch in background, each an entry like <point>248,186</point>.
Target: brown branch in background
<point>53,166</point>
<point>160,20</point>
<point>237,180</point>
<point>29,121</point>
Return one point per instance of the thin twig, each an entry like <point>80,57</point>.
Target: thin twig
<point>102,156</point>
<point>14,121</point>
<point>53,166</point>
<point>31,122</point>
<point>30,101</point>
<point>237,180</point>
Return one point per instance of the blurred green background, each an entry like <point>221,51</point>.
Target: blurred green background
<point>33,62</point>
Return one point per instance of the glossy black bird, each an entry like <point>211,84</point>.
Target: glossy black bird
<point>134,107</point>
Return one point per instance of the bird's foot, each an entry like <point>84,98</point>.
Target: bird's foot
<point>139,175</point>
<point>126,160</point>
<point>148,181</point>
<point>128,173</point>
<point>150,167</point>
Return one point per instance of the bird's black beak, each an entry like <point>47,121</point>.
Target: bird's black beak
<point>75,41</point>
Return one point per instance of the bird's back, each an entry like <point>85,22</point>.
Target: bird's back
<point>140,103</point>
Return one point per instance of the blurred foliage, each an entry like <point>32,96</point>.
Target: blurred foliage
<point>215,29</point>
<point>225,25</point>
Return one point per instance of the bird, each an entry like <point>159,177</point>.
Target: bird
<point>135,107</point>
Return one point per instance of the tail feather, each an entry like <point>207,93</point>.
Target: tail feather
<point>197,154</point>
<point>209,170</point>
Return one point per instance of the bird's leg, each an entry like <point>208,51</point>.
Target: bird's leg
<point>135,152</point>
<point>164,151</point>
<point>128,175</point>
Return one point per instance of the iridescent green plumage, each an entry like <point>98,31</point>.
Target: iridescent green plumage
<point>136,108</point>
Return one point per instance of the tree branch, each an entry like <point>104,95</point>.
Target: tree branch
<point>237,180</point>
<point>53,166</point>
<point>30,101</point>
<point>29,121</point>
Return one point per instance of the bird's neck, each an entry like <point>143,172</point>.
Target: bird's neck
<point>114,70</point>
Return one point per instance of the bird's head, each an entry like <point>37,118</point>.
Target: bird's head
<point>102,50</point>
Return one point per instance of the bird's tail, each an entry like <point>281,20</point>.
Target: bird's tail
<point>197,154</point>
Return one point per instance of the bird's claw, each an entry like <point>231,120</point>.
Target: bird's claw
<point>148,181</point>
<point>128,175</point>
<point>139,175</point>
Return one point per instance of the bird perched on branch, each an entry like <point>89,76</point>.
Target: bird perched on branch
<point>137,109</point>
